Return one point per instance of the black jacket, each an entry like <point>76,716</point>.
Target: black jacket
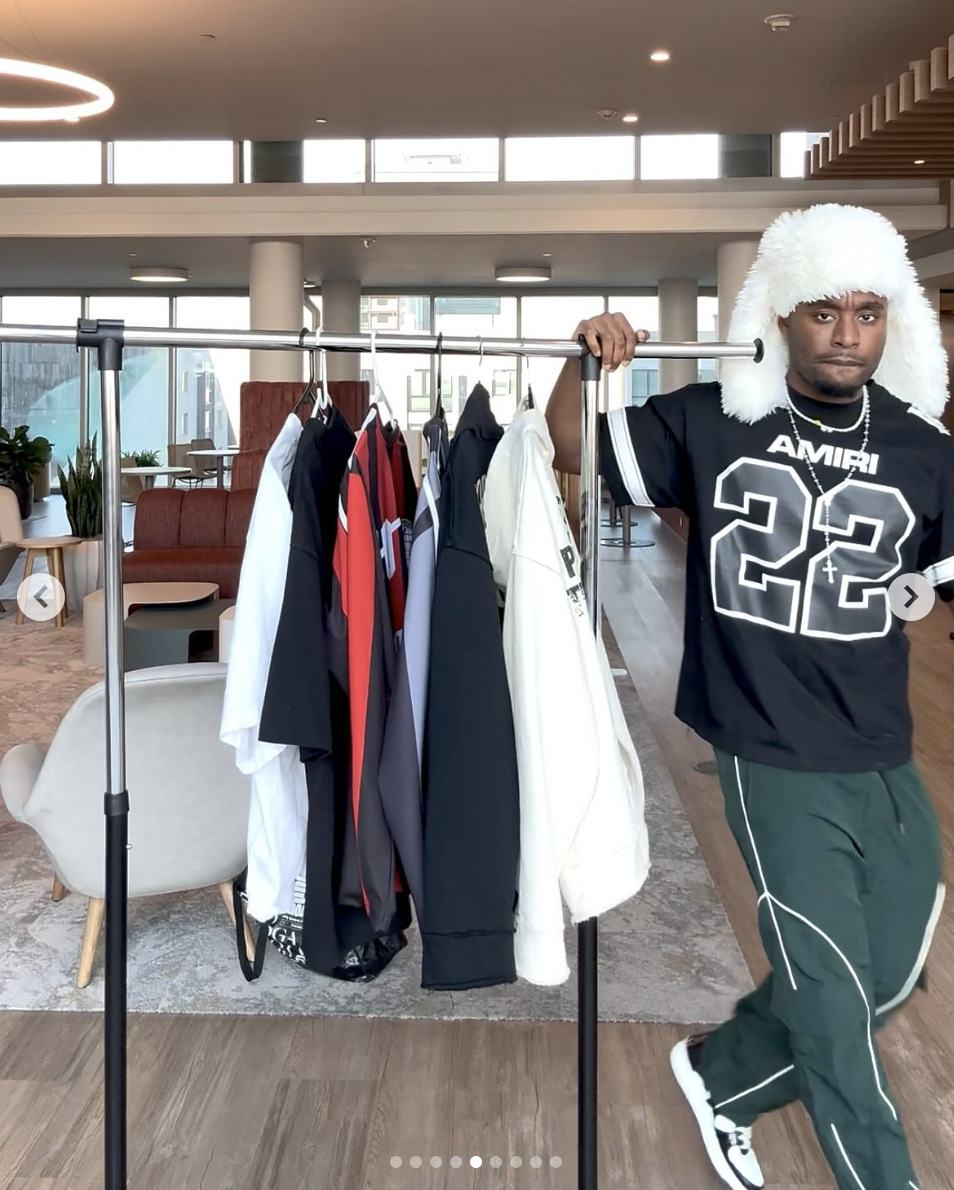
<point>472,821</point>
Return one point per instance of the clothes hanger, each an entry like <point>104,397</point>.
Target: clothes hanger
<point>311,390</point>
<point>527,402</point>
<point>323,405</point>
<point>379,397</point>
<point>438,409</point>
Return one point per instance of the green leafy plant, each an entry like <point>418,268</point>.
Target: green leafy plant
<point>82,490</point>
<point>21,456</point>
<point>146,458</point>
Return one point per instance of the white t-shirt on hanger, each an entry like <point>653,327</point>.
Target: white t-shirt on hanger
<point>278,812</point>
<point>583,839</point>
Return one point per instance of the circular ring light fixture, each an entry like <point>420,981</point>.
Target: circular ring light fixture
<point>162,275</point>
<point>103,99</point>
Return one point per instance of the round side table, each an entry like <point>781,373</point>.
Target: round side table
<point>53,548</point>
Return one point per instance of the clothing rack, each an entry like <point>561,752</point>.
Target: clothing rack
<point>108,339</point>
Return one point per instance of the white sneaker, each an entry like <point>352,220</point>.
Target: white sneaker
<point>729,1147</point>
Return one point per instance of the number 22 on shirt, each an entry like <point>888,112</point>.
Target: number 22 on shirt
<point>868,524</point>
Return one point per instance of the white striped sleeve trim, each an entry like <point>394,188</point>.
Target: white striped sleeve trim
<point>626,457</point>
<point>940,573</point>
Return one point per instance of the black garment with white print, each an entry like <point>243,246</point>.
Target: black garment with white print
<point>782,665</point>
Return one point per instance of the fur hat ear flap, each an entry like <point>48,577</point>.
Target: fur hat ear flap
<point>914,366</point>
<point>749,389</point>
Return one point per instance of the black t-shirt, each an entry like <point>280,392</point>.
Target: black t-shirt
<point>782,665</point>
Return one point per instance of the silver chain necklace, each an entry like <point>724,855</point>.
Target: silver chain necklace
<point>865,416</point>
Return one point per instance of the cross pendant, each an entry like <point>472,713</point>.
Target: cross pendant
<point>830,570</point>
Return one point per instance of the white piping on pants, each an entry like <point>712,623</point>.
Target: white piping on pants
<point>822,934</point>
<point>758,863</point>
<point>854,1173</point>
<point>922,956</point>
<point>752,1090</point>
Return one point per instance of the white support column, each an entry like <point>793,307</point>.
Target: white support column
<point>735,258</point>
<point>341,314</point>
<point>276,289</point>
<point>678,323</point>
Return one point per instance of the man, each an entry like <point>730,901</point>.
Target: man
<point>811,480</point>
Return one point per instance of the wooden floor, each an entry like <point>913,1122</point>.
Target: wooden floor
<point>246,1104</point>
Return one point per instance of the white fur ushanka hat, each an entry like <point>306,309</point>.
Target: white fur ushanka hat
<point>829,251</point>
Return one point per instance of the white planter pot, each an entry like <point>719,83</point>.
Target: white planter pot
<point>83,567</point>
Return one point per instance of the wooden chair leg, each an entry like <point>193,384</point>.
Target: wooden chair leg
<point>27,571</point>
<point>225,889</point>
<point>94,925</point>
<point>57,570</point>
<point>59,889</point>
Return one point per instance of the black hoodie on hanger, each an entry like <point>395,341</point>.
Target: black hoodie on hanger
<point>472,819</point>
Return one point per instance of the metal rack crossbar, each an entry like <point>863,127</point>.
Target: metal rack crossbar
<point>108,339</point>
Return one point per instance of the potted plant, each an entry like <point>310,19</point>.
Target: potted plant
<point>146,458</point>
<point>41,480</point>
<point>81,487</point>
<point>20,458</point>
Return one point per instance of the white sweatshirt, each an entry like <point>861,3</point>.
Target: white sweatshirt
<point>582,827</point>
<point>278,812</point>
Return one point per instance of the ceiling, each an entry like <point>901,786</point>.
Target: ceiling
<point>904,130</point>
<point>494,68</point>
<point>601,261</point>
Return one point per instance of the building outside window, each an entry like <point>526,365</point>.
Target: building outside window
<point>675,157</point>
<point>708,333</point>
<point>143,381</point>
<point>404,379</point>
<point>489,317</point>
<point>570,158</point>
<point>208,380</point>
<point>40,383</point>
<point>437,160</point>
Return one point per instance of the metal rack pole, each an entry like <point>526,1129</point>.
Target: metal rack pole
<point>109,338</point>
<point>587,1013</point>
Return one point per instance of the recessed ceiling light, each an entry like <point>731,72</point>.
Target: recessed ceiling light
<point>548,254</point>
<point>206,37</point>
<point>133,255</point>
<point>630,119</point>
<point>920,161</point>
<point>159,275</point>
<point>780,22</point>
<point>660,56</point>
<point>321,121</point>
<point>522,274</point>
<point>102,100</point>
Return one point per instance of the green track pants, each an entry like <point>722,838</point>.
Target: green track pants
<point>847,867</point>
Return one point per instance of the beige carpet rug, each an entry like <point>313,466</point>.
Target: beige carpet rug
<point>668,955</point>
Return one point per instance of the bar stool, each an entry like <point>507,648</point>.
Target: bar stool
<point>53,548</point>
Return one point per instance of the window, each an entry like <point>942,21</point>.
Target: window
<point>404,379</point>
<point>143,381</point>
<point>329,161</point>
<point>437,160</point>
<point>708,315</point>
<point>641,379</point>
<point>794,147</point>
<point>570,159</point>
<point>40,382</point>
<point>672,157</point>
<point>547,317</point>
<point>51,163</point>
<point>172,162</point>
<point>471,318</point>
<point>208,380</point>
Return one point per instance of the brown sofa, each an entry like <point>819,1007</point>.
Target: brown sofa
<point>190,536</point>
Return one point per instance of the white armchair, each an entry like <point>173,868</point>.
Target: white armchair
<point>188,816</point>
<point>11,531</point>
